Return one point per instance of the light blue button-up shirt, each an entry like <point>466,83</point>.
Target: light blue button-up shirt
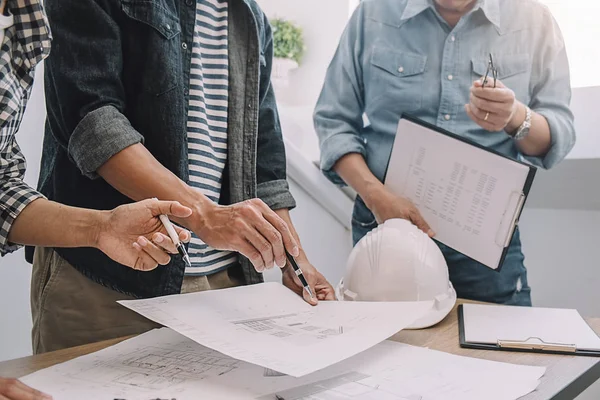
<point>400,56</point>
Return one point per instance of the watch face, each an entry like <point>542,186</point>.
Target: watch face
<point>523,131</point>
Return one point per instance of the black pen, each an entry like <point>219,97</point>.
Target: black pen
<point>299,274</point>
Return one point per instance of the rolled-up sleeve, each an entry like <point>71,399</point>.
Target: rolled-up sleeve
<point>338,115</point>
<point>551,95</point>
<point>15,194</point>
<point>100,135</point>
<point>85,93</point>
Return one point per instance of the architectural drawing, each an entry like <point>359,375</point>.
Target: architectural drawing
<point>156,368</point>
<point>296,328</point>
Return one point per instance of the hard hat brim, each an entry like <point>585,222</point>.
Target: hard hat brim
<point>437,313</point>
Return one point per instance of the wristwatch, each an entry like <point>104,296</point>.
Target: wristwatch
<point>523,130</point>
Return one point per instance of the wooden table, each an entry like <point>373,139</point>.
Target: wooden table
<point>566,376</point>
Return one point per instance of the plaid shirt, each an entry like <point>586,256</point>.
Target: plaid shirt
<point>25,44</point>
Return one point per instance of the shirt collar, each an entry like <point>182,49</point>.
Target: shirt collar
<point>490,8</point>
<point>415,7</point>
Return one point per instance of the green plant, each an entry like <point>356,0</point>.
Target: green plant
<point>287,40</point>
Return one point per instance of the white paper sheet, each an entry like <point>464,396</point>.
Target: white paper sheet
<point>269,325</point>
<point>488,324</point>
<point>467,195</point>
<point>162,364</point>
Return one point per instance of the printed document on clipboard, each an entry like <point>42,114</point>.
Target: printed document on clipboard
<point>471,196</point>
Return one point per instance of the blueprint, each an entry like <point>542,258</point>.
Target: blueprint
<point>162,364</point>
<point>269,325</point>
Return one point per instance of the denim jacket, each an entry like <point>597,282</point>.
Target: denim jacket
<point>118,76</point>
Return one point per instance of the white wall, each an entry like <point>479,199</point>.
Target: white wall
<point>322,22</point>
<point>15,273</point>
<point>584,104</point>
<point>561,254</point>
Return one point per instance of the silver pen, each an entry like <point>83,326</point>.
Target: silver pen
<point>175,238</point>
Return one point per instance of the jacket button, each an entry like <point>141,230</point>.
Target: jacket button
<point>184,45</point>
<point>189,3</point>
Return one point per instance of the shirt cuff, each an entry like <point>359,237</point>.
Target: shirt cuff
<point>13,200</point>
<point>562,141</point>
<point>100,135</point>
<point>336,147</point>
<point>276,194</point>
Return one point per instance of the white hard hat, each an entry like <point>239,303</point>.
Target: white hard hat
<point>398,262</point>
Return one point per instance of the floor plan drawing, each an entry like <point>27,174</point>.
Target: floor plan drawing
<point>293,327</point>
<point>158,368</point>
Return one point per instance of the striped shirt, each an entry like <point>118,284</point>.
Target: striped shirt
<point>207,122</point>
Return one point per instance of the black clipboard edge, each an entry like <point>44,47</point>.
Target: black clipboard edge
<point>526,187</point>
<point>482,346</point>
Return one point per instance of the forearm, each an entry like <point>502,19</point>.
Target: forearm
<point>353,169</point>
<point>539,140</point>
<point>138,175</point>
<point>49,224</point>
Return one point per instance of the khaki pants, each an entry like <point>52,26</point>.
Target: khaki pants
<point>69,309</point>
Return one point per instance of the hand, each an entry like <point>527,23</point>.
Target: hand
<point>128,233</point>
<point>251,228</point>
<point>317,282</point>
<point>498,104</point>
<point>386,205</point>
<point>12,389</point>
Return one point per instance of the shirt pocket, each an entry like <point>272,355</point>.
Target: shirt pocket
<point>514,70</point>
<point>397,79</point>
<point>152,41</point>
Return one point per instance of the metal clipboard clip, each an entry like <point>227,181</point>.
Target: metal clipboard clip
<point>535,343</point>
<point>510,218</point>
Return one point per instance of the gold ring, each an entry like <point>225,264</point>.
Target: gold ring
<point>486,116</point>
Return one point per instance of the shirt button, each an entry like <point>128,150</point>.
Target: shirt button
<point>184,45</point>
<point>447,117</point>
<point>401,69</point>
<point>450,77</point>
<point>453,38</point>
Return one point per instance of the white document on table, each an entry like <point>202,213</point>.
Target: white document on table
<point>269,325</point>
<point>470,197</point>
<point>163,364</point>
<point>491,324</point>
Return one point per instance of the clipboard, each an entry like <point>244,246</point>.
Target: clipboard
<point>533,344</point>
<point>399,175</point>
